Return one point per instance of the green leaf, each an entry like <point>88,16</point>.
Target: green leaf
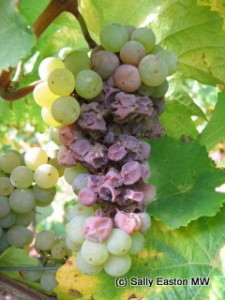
<point>185,179</point>
<point>15,257</point>
<point>215,5</point>
<point>214,132</point>
<point>16,39</point>
<point>195,34</point>
<point>188,253</point>
<point>31,9</point>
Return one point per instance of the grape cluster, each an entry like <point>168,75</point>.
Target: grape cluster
<point>26,181</point>
<point>104,105</point>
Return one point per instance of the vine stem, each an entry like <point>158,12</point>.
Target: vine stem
<point>21,291</point>
<point>50,13</point>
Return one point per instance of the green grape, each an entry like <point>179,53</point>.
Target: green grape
<point>94,253</point>
<point>157,49</point>
<point>54,134</point>
<point>34,157</point>
<point>22,200</point>
<point>43,96</point>
<point>79,210</point>
<point>22,177</point>
<point>48,281</point>
<point>160,91</point>
<point>77,61</point>
<point>170,59</point>
<point>46,176</point>
<point>88,84</point>
<point>74,229</point>
<point>44,240</point>
<point>18,236</point>
<point>86,268</point>
<point>3,242</point>
<point>71,173</point>
<point>9,220</point>
<point>43,196</point>
<point>132,52</point>
<point>61,82</point>
<point>47,117</point>
<point>59,250</point>
<point>64,51</point>
<point>104,63</point>
<point>80,182</point>
<point>113,36</point>
<point>65,110</point>
<point>153,70</point>
<point>6,186</point>
<point>55,163</point>
<point>127,78</point>
<point>72,246</point>
<point>48,65</point>
<point>119,242</point>
<point>33,275</point>
<point>145,221</point>
<point>25,219</point>
<point>95,50</point>
<point>4,206</point>
<point>146,90</point>
<point>137,242</point>
<point>145,36</point>
<point>9,161</point>
<point>117,265</point>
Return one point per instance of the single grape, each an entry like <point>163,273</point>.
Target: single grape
<point>117,265</point>
<point>160,91</point>
<point>104,63</point>
<point>55,163</point>
<point>146,90</point>
<point>44,240</point>
<point>153,70</point>
<point>9,220</point>
<point>9,161</point>
<point>18,236</point>
<point>22,200</point>
<point>61,82</point>
<point>6,186</point>
<point>80,182</point>
<point>59,250</point>
<point>88,84</point>
<point>127,78</point>
<point>4,206</point>
<point>25,219</point>
<point>94,253</point>
<point>46,176</point>
<point>44,196</point>
<point>145,36</point>
<point>77,61</point>
<point>34,157</point>
<point>137,242</point>
<point>48,281</point>
<point>65,110</point>
<point>47,117</point>
<point>132,53</point>
<point>54,134</point>
<point>119,242</point>
<point>3,242</point>
<point>79,210</point>
<point>86,268</point>
<point>48,65</point>
<point>71,173</point>
<point>22,177</point>
<point>43,96</point>
<point>145,221</point>
<point>74,229</point>
<point>72,246</point>
<point>170,59</point>
<point>113,36</point>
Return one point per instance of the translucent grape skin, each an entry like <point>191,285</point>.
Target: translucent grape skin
<point>113,36</point>
<point>18,236</point>
<point>45,240</point>
<point>9,161</point>
<point>77,61</point>
<point>80,182</point>
<point>119,242</point>
<point>61,82</point>
<point>59,250</point>
<point>104,63</point>
<point>86,268</point>
<point>22,200</point>
<point>32,275</point>
<point>88,84</point>
<point>25,219</point>
<point>6,186</point>
<point>54,134</point>
<point>170,59</point>
<point>94,253</point>
<point>127,78</point>
<point>79,210</point>
<point>48,65</point>
<point>43,96</point>
<point>74,229</point>
<point>137,242</point>
<point>48,281</point>
<point>117,265</point>
<point>43,196</point>
<point>35,157</point>
<point>46,176</point>
<point>9,220</point>
<point>71,173</point>
<point>65,110</point>
<point>47,117</point>
<point>145,36</point>
<point>132,52</point>
<point>3,242</point>
<point>22,177</point>
<point>4,206</point>
<point>153,70</point>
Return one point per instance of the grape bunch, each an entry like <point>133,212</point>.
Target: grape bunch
<point>104,107</point>
<point>26,181</point>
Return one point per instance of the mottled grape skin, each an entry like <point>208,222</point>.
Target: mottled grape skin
<point>132,52</point>
<point>127,78</point>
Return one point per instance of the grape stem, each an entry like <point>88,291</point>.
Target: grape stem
<point>8,87</point>
<point>21,291</point>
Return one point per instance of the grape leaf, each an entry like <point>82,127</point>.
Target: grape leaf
<point>12,256</point>
<point>189,252</point>
<point>214,132</point>
<point>215,5</point>
<point>16,39</point>
<point>195,34</point>
<point>185,179</point>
